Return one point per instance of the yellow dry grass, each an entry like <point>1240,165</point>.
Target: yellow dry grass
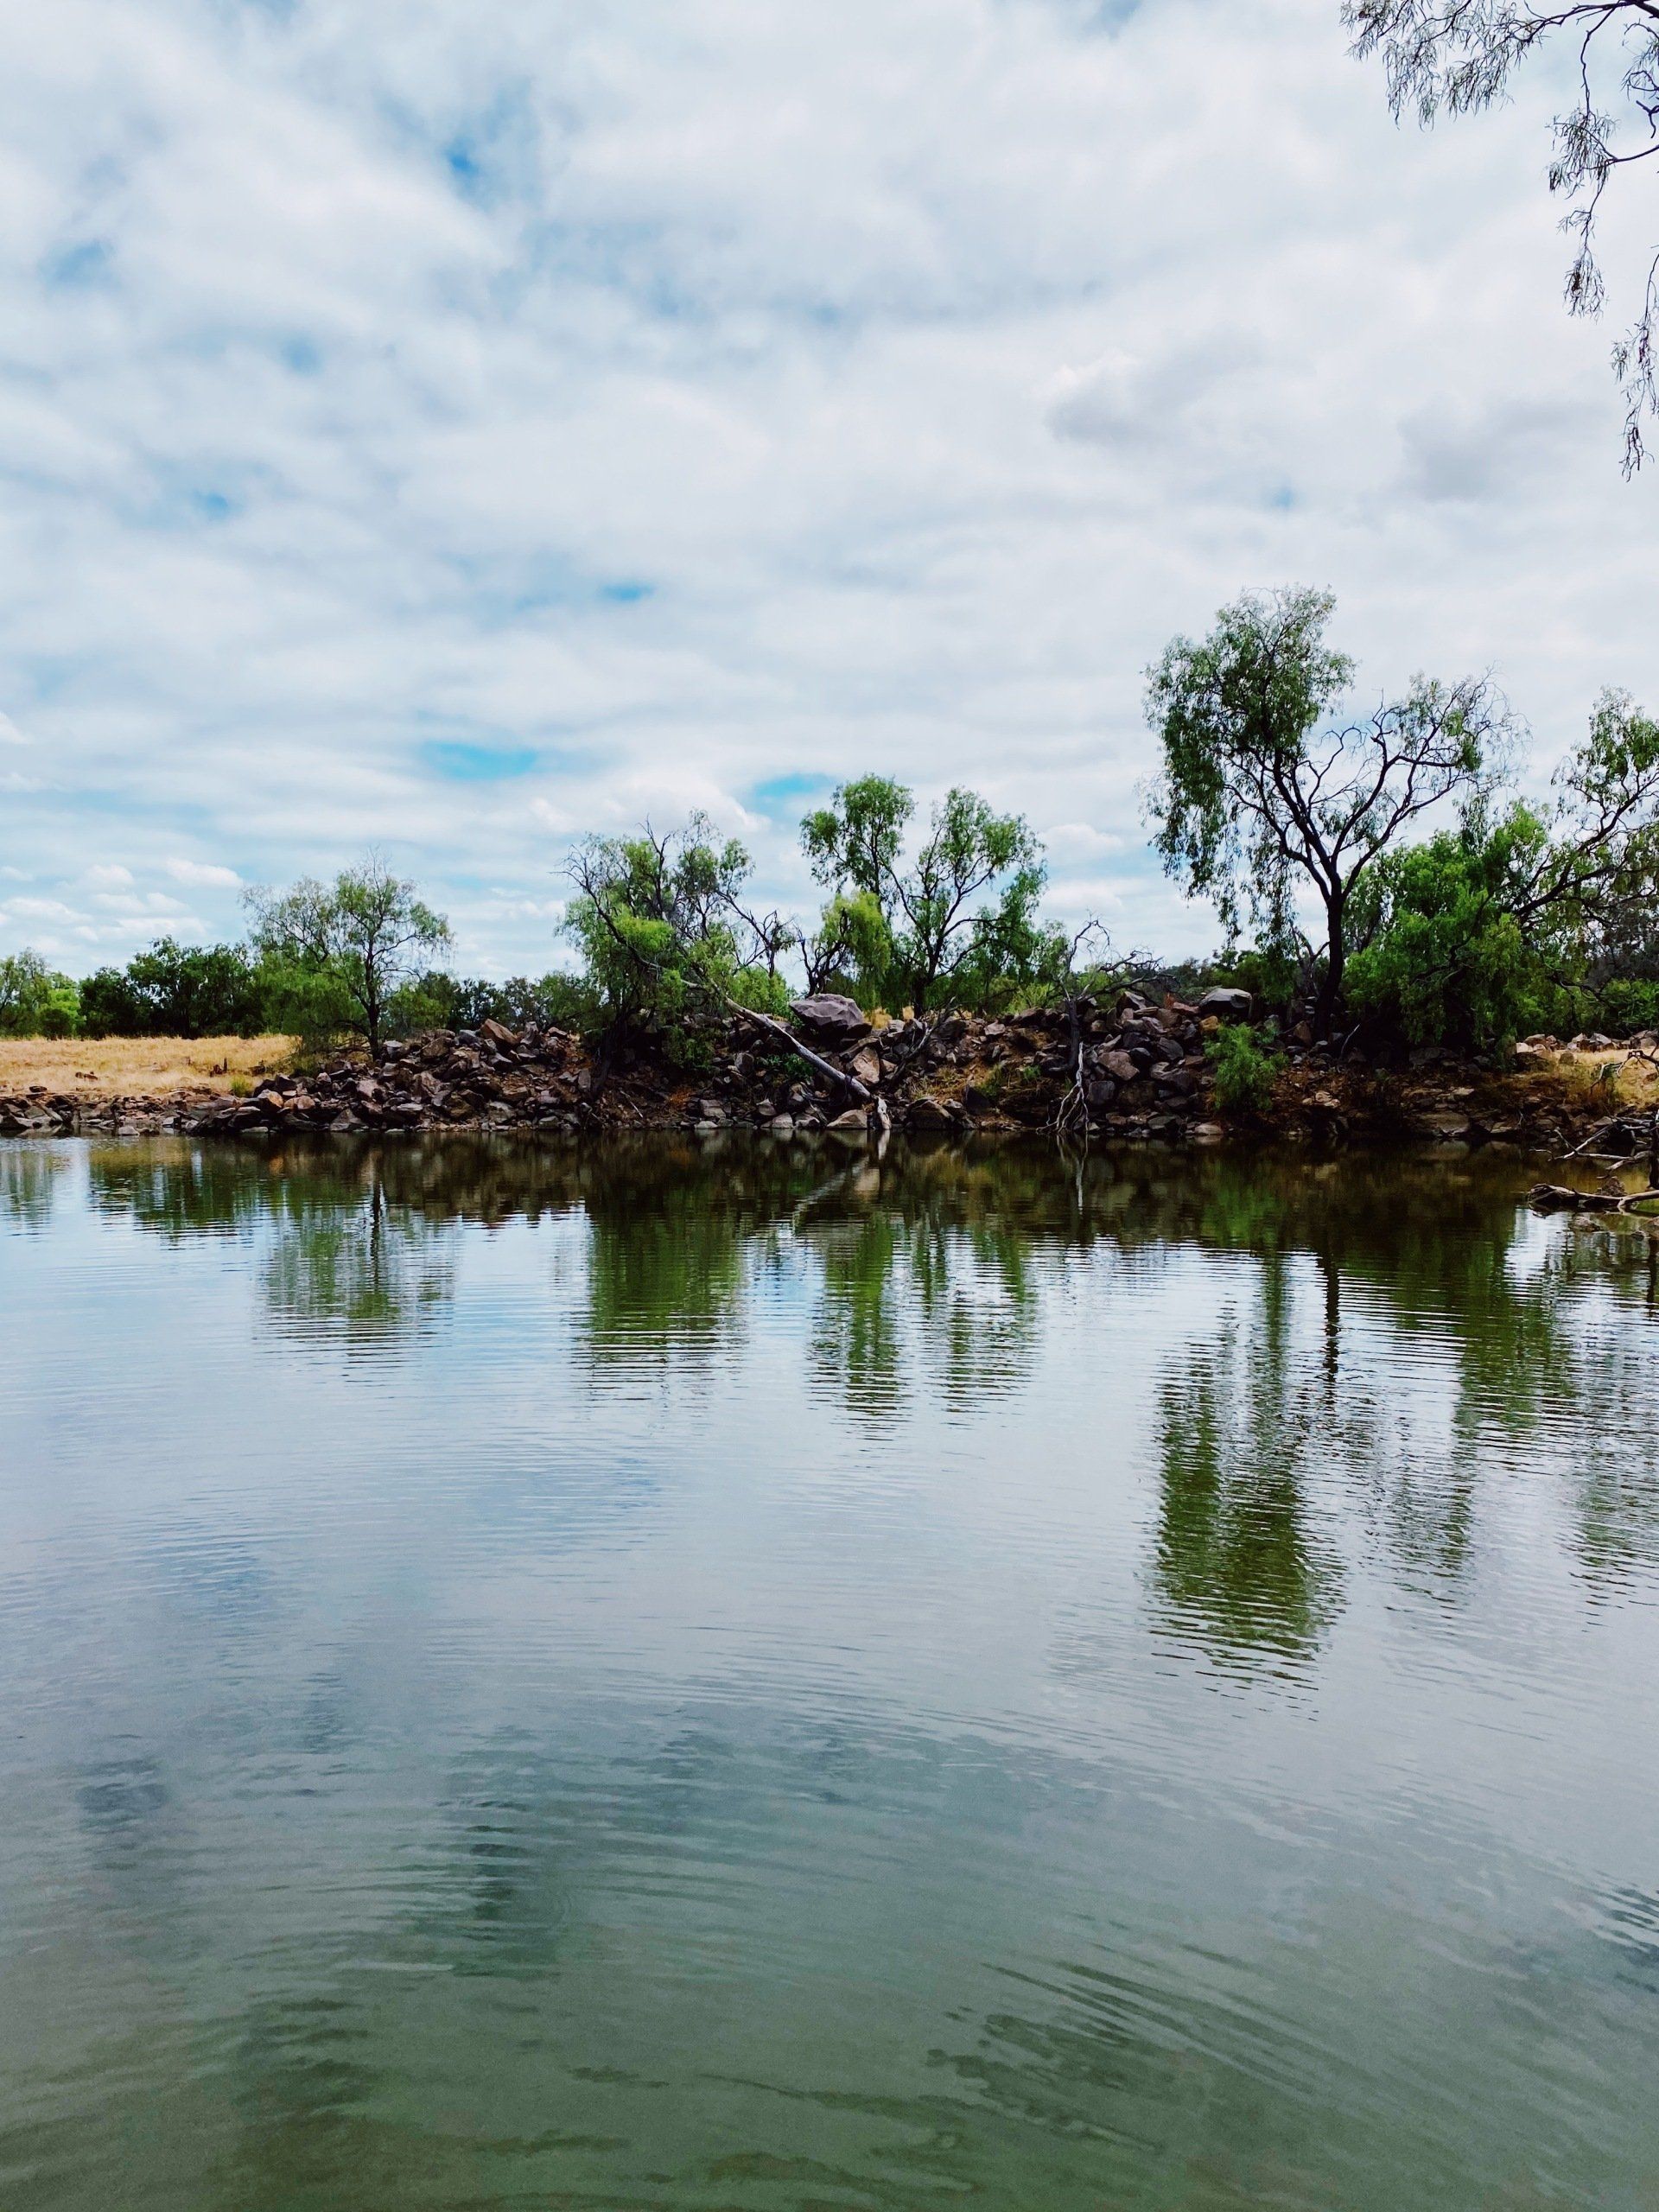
<point>134,1067</point>
<point>1623,1078</point>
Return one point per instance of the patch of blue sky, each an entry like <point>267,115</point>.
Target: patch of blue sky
<point>1282,496</point>
<point>301,355</point>
<point>777,794</point>
<point>184,498</point>
<point>502,592</point>
<point>489,155</point>
<point>460,760</point>
<point>78,266</point>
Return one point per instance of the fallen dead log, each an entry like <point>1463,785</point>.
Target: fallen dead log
<point>1558,1198</point>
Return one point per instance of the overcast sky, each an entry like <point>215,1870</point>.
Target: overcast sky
<point>454,426</point>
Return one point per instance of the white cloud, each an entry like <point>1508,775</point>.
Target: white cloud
<point>455,428</point>
<point>204,875</point>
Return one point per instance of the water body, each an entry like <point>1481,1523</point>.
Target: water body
<point>741,1679</point>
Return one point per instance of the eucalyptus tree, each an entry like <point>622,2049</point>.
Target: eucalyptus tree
<point>338,954</point>
<point>1267,792</point>
<point>956,919</point>
<point>1450,57</point>
<point>663,922</point>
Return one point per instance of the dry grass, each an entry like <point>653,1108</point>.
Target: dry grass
<point>133,1067</point>
<point>1611,1078</point>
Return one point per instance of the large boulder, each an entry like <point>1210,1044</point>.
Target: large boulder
<point>831,1019</point>
<point>1226,1005</point>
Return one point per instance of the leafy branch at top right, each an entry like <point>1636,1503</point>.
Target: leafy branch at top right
<point>1453,57</point>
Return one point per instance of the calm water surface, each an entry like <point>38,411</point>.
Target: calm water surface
<point>757,1680</point>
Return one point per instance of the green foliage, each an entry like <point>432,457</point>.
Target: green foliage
<point>333,957</point>
<point>1244,1069</point>
<point>440,1001</point>
<point>36,1001</point>
<point>958,924</point>
<point>1447,959</point>
<point>1629,1003</point>
<point>1515,922</point>
<point>661,927</point>
<point>1268,972</point>
<point>177,990</point>
<point>1261,796</point>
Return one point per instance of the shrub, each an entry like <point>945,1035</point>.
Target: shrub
<point>1244,1069</point>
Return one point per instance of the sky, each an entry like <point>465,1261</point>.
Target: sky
<point>450,428</point>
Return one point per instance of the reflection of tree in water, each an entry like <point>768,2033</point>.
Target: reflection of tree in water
<point>1237,1561</point>
<point>339,1257</point>
<point>29,1183</point>
<point>918,1287</point>
<point>928,1272</point>
<point>366,1273</point>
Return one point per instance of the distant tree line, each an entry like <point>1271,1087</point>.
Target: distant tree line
<point>1375,870</point>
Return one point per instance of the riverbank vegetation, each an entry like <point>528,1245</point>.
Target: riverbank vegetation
<point>1384,885</point>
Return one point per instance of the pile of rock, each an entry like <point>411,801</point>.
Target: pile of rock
<point>41,1112</point>
<point>488,1078</point>
<point>1122,1067</point>
<point>1134,1067</point>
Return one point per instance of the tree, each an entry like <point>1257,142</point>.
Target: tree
<point>1454,56</point>
<point>662,927</point>
<point>336,955</point>
<point>36,1001</point>
<point>1442,957</point>
<point>1264,793</point>
<point>1520,917</point>
<point>177,990</point>
<point>914,933</point>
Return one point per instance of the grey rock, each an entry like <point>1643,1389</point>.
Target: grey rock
<point>827,1014</point>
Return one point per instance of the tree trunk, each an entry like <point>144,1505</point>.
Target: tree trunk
<point>1336,960</point>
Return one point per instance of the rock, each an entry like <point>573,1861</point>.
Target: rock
<point>929,1113</point>
<point>865,1065</point>
<point>855,1121</point>
<point>1449,1128</point>
<point>1226,1005</point>
<point>781,1125</point>
<point>827,1014</point>
<point>1118,1065</point>
<point>709,1110</point>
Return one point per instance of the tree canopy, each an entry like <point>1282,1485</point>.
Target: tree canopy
<point>959,919</point>
<point>662,926</point>
<point>177,990</point>
<point>1265,791</point>
<point>338,954</point>
<point>36,1001</point>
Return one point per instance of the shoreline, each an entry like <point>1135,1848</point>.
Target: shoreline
<point>1133,1073</point>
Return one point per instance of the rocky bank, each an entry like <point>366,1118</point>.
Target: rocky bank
<point>1129,1070</point>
